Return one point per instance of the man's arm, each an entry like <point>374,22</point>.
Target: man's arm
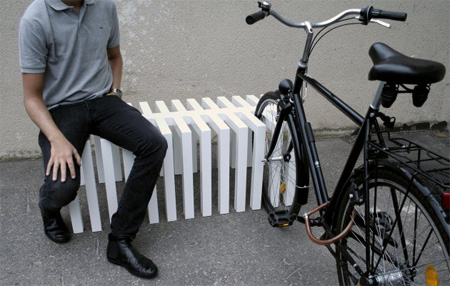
<point>62,151</point>
<point>116,62</point>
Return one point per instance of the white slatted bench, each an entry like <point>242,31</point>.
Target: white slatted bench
<point>234,125</point>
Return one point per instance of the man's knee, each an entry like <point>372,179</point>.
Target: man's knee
<point>155,146</point>
<point>163,145</point>
<point>160,147</point>
<point>57,194</point>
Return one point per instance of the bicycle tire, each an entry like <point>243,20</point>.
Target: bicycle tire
<point>400,250</point>
<point>279,178</point>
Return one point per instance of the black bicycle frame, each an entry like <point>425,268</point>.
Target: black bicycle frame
<point>304,130</point>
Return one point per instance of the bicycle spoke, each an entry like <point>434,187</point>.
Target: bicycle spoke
<point>402,243</point>
<point>423,247</point>
<point>398,221</point>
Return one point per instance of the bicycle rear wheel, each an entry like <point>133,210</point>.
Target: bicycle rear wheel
<point>279,178</point>
<point>405,235</point>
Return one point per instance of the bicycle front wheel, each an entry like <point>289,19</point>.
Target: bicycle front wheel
<point>279,178</point>
<point>401,242</point>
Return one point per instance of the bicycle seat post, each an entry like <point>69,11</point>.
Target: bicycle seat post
<point>377,99</point>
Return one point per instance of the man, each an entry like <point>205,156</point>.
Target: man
<point>72,69</point>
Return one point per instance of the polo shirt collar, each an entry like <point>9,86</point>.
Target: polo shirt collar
<point>58,5</point>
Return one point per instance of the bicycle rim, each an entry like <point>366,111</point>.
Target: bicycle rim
<point>279,178</point>
<point>400,248</point>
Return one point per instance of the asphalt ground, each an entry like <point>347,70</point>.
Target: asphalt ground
<point>232,249</point>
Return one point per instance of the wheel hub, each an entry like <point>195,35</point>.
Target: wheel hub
<point>392,279</point>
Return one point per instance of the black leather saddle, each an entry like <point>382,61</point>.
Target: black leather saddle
<point>393,67</point>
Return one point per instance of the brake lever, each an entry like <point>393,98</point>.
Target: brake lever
<point>376,21</point>
<point>382,23</point>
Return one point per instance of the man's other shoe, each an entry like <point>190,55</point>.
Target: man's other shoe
<point>54,227</point>
<point>121,252</point>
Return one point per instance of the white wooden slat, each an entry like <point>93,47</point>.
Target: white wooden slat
<point>128,161</point>
<point>169,173</point>
<point>153,212</point>
<point>162,108</point>
<point>240,102</point>
<point>179,108</point>
<point>223,102</point>
<point>210,104</point>
<point>252,100</point>
<point>241,169</point>
<point>223,162</point>
<point>192,104</point>
<point>184,132</point>
<point>204,134</point>
<point>237,102</point>
<point>98,159</point>
<point>241,132</point>
<point>91,188</point>
<point>116,163</point>
<point>223,154</point>
<point>110,181</point>
<point>75,215</point>
<point>259,131</point>
<point>173,157</point>
<point>75,207</point>
<point>145,108</point>
<point>257,169</point>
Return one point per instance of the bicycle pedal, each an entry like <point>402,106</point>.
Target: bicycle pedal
<point>281,219</point>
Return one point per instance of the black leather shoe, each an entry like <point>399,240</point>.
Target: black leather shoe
<point>121,252</point>
<point>54,227</point>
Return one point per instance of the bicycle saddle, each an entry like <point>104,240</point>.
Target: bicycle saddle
<point>393,67</point>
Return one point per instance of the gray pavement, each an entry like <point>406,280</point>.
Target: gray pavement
<point>232,249</point>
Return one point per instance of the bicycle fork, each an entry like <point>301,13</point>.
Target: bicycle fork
<point>285,107</point>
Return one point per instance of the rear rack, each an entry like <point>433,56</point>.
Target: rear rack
<point>420,160</point>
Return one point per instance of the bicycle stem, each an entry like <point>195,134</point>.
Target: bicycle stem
<point>309,39</point>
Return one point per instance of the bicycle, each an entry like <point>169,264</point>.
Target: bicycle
<point>387,221</point>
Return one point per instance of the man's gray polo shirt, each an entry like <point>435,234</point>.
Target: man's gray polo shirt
<point>69,48</point>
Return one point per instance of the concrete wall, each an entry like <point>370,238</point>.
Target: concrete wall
<point>177,49</point>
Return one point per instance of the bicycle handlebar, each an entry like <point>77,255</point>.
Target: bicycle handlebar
<point>366,14</point>
<point>369,13</point>
<point>391,15</point>
<point>255,17</point>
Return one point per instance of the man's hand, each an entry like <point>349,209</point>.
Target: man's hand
<point>62,156</point>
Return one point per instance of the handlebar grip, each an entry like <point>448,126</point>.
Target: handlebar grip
<point>255,17</point>
<point>391,15</point>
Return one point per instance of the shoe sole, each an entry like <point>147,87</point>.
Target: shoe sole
<point>59,241</point>
<point>138,274</point>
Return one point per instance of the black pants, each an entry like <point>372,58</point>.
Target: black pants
<point>111,118</point>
